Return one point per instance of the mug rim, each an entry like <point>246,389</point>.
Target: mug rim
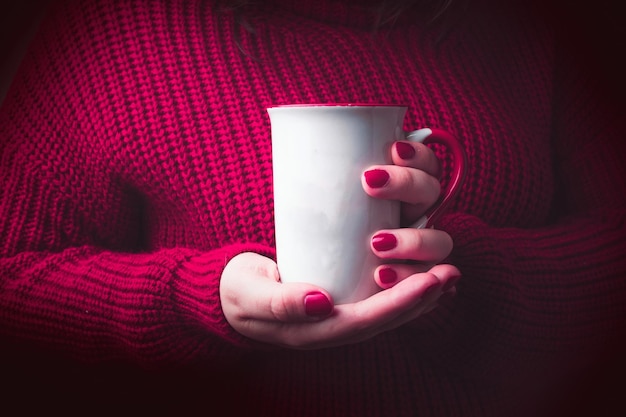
<point>311,105</point>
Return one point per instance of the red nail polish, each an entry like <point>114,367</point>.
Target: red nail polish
<point>376,178</point>
<point>404,150</point>
<point>317,304</point>
<point>384,242</point>
<point>387,275</point>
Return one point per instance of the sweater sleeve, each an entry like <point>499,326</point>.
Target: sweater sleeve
<point>77,271</point>
<point>75,275</point>
<point>533,296</point>
<point>96,305</point>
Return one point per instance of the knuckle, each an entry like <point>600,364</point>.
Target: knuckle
<point>417,186</point>
<point>271,271</point>
<point>416,242</point>
<point>234,312</point>
<point>406,177</point>
<point>428,159</point>
<point>279,307</point>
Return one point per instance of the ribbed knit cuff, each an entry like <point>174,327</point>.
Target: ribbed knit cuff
<point>465,231</point>
<point>196,292</point>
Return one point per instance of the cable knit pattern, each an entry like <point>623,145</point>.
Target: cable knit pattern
<point>136,161</point>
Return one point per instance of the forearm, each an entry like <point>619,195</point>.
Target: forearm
<point>529,297</point>
<point>99,305</point>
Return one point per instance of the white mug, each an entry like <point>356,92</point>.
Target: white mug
<point>324,220</point>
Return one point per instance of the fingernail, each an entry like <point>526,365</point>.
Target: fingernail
<point>404,150</point>
<point>317,304</point>
<point>384,242</point>
<point>387,275</point>
<point>376,178</point>
<point>451,283</point>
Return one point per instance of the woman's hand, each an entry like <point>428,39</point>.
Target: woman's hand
<point>413,180</point>
<point>303,316</point>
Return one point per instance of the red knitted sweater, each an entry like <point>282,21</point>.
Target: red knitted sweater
<point>136,162</point>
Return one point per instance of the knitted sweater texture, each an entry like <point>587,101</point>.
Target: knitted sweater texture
<point>136,161</point>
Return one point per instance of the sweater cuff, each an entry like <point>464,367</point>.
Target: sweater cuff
<point>473,240</point>
<point>196,284</point>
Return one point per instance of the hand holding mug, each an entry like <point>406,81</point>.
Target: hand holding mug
<point>326,224</point>
<point>260,304</point>
<point>412,180</point>
<point>302,316</point>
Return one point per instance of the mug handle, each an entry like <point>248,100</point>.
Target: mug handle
<point>444,138</point>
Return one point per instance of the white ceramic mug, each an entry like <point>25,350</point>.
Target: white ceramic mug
<point>324,220</point>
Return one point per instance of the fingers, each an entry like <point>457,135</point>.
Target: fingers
<point>447,275</point>
<point>384,311</point>
<point>260,307</point>
<point>408,185</point>
<point>421,245</point>
<point>416,155</point>
<point>413,179</point>
<point>424,246</point>
<point>387,276</point>
<point>353,323</point>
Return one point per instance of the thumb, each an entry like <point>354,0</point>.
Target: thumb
<point>292,301</point>
<point>251,283</point>
<point>295,302</point>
